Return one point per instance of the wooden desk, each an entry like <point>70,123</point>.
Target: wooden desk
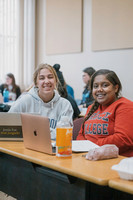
<point>98,172</point>
<point>123,186</point>
<point>21,168</point>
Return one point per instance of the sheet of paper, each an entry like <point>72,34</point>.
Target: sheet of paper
<point>83,145</point>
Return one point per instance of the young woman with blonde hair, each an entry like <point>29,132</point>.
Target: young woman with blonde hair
<point>44,99</point>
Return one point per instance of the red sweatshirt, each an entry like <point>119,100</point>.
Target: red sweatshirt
<point>111,125</point>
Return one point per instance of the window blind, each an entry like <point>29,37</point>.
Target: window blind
<point>8,37</point>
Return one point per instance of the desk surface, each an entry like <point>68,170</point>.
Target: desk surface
<point>122,185</point>
<point>98,172</point>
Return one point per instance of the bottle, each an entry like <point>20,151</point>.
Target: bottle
<point>64,138</point>
<point>6,95</point>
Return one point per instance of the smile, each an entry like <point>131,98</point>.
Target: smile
<point>46,86</point>
<point>100,95</point>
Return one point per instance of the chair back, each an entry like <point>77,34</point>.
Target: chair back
<point>76,126</point>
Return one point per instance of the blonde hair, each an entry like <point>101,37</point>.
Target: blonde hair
<point>45,66</point>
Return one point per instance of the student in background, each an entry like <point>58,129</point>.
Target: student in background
<point>87,98</point>
<point>44,99</point>
<point>10,85</point>
<point>69,89</point>
<point>109,119</point>
<point>59,73</point>
<point>63,91</point>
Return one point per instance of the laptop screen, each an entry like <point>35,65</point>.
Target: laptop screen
<point>36,133</point>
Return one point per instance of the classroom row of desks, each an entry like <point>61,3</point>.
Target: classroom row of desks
<point>27,174</point>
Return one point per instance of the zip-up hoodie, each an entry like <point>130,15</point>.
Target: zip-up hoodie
<point>30,102</point>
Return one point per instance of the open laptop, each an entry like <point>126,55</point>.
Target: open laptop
<point>10,127</point>
<point>36,133</point>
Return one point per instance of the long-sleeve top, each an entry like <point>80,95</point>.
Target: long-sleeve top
<point>111,125</point>
<point>30,102</point>
<point>76,110</point>
<point>87,97</point>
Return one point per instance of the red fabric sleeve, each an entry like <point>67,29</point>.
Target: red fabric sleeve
<point>80,135</point>
<point>123,130</point>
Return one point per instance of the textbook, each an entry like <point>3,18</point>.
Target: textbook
<point>10,126</point>
<point>83,145</point>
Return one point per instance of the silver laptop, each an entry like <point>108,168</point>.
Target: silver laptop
<point>36,133</point>
<point>10,126</point>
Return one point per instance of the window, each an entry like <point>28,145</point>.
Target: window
<point>17,40</point>
<point>8,38</point>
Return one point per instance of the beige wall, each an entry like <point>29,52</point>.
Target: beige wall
<point>121,61</point>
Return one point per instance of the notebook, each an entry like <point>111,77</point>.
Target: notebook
<point>36,133</point>
<point>10,126</point>
<point>83,145</point>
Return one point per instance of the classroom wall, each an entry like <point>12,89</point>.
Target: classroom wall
<point>121,61</point>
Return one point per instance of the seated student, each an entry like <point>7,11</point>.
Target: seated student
<point>109,119</point>
<point>87,98</point>
<point>44,99</point>
<point>59,73</point>
<point>63,91</point>
<point>69,89</point>
<point>10,85</point>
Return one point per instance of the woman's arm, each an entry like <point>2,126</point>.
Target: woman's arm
<point>80,135</point>
<point>123,130</point>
